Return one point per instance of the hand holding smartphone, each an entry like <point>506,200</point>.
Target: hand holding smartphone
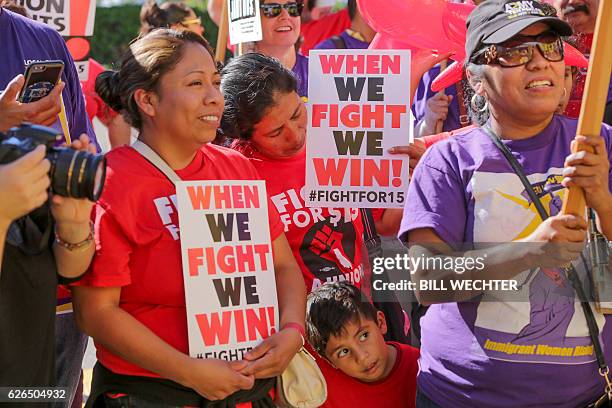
<point>21,99</point>
<point>40,79</point>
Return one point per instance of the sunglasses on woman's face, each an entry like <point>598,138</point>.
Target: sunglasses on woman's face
<point>272,10</point>
<point>196,20</point>
<point>519,51</point>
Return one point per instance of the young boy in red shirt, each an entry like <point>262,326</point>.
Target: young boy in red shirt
<point>361,369</point>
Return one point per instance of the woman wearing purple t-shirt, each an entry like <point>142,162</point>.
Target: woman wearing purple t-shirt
<point>478,350</point>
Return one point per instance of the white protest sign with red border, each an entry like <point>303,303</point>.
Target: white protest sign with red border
<point>230,288</point>
<point>73,19</point>
<point>359,107</point>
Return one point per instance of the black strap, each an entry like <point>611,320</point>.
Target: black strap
<point>370,236</point>
<point>518,170</point>
<point>168,392</point>
<point>391,307</point>
<point>338,42</point>
<point>32,232</point>
<point>570,271</point>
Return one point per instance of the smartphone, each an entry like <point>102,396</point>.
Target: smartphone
<point>40,79</point>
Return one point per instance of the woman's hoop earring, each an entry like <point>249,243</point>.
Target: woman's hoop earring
<point>474,104</point>
<point>564,93</point>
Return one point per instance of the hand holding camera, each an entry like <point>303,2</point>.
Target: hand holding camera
<point>71,214</point>
<point>24,184</point>
<point>30,164</point>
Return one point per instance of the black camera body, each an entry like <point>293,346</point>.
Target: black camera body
<point>73,173</point>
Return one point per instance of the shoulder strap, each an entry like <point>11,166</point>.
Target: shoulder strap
<point>518,170</point>
<point>570,271</point>
<point>464,118</point>
<point>370,236</point>
<point>338,42</point>
<point>155,160</point>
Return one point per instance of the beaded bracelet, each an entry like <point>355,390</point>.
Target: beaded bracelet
<point>79,245</point>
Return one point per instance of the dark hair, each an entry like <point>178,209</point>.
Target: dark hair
<point>352,8</point>
<point>11,5</point>
<point>153,16</point>
<point>249,84</point>
<point>477,114</point>
<point>329,308</point>
<point>141,67</point>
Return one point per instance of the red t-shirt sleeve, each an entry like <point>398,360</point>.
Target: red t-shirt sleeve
<point>109,267</point>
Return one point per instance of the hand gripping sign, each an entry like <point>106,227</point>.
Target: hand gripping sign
<point>228,270</point>
<point>359,107</point>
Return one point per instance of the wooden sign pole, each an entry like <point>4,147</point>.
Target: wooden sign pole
<point>594,98</point>
<point>222,36</point>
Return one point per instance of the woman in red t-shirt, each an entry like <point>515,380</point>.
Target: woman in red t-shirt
<point>267,119</point>
<point>132,301</point>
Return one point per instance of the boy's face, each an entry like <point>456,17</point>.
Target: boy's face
<point>360,350</point>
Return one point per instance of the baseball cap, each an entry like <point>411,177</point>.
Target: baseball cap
<point>495,21</point>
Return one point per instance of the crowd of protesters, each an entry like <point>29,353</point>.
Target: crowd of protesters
<point>493,160</point>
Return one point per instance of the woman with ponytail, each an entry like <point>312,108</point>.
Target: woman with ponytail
<point>132,301</point>
<point>177,16</point>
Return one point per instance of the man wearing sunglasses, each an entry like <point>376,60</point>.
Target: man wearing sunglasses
<point>521,349</point>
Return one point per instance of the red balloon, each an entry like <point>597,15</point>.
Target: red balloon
<point>451,75</point>
<point>417,22</point>
<point>454,18</point>
<point>430,25</point>
<point>574,57</point>
<point>418,56</point>
<point>384,41</point>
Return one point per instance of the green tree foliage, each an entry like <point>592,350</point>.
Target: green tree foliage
<point>113,30</point>
<point>116,26</point>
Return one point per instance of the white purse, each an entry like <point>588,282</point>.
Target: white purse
<point>302,384</point>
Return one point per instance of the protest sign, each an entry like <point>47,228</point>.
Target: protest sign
<point>73,19</point>
<point>359,107</point>
<point>244,21</point>
<point>230,289</point>
<point>80,48</point>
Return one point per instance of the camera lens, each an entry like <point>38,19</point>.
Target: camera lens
<point>77,174</point>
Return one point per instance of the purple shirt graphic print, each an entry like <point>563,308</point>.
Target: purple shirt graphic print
<point>466,191</point>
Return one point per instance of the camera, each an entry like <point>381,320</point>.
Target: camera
<point>73,173</point>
